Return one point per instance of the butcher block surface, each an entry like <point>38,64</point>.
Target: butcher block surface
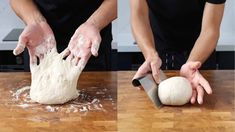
<point>137,113</point>
<point>15,118</point>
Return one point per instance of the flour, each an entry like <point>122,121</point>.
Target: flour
<point>54,80</point>
<point>83,103</point>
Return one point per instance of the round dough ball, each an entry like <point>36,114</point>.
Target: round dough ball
<point>54,80</point>
<point>175,91</point>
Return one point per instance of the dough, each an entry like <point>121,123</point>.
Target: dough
<point>54,80</point>
<point>175,91</point>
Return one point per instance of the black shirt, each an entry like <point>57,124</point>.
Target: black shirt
<point>65,16</point>
<point>176,24</point>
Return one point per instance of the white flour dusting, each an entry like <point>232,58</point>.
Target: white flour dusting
<point>83,103</point>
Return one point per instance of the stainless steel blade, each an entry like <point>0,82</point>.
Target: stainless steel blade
<point>150,87</point>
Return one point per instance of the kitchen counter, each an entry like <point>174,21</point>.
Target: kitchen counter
<point>137,113</point>
<point>130,47</point>
<point>101,86</point>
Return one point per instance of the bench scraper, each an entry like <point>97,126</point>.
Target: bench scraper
<point>150,87</point>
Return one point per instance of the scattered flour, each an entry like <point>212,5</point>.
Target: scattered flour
<point>83,103</point>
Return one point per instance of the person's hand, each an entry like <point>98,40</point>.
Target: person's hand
<point>190,71</point>
<point>84,43</point>
<point>38,38</point>
<point>151,65</point>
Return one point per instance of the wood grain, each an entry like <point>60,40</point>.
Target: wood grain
<point>136,113</point>
<point>14,118</point>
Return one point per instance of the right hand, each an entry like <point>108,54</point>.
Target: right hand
<point>152,65</point>
<point>38,38</point>
<point>84,43</point>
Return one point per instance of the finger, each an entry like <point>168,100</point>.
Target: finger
<point>72,43</point>
<point>20,46</point>
<point>142,71</point>
<point>65,53</point>
<point>75,61</point>
<point>204,83</point>
<point>70,57</point>
<point>195,65</point>
<point>76,52</point>
<point>155,73</point>
<point>33,60</point>
<point>193,98</point>
<point>32,56</point>
<point>95,47</point>
<point>51,42</point>
<point>82,63</point>
<point>200,94</point>
<point>41,56</point>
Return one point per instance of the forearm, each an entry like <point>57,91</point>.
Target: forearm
<point>105,14</point>
<point>141,27</point>
<point>204,46</point>
<point>207,40</point>
<point>27,11</point>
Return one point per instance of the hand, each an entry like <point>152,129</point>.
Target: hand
<point>151,64</point>
<point>84,43</point>
<point>38,38</point>
<point>199,83</point>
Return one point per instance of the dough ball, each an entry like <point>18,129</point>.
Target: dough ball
<point>175,91</point>
<point>54,80</point>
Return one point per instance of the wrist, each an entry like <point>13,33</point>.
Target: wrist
<point>35,18</point>
<point>92,22</point>
<point>151,55</point>
<point>193,65</point>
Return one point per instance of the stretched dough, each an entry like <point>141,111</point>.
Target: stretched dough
<point>54,80</point>
<point>175,91</point>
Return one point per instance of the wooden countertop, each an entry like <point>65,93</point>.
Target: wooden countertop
<point>137,113</point>
<point>15,118</point>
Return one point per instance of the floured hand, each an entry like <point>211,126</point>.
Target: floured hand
<point>84,43</point>
<point>38,38</point>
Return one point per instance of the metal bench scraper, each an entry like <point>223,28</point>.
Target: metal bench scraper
<point>150,87</point>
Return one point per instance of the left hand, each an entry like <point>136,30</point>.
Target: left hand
<point>190,71</point>
<point>84,43</point>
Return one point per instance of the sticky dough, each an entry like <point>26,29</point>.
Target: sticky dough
<point>54,80</point>
<point>175,91</point>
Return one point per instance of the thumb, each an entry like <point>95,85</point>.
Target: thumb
<point>195,65</point>
<point>65,53</point>
<point>95,47</point>
<point>20,46</point>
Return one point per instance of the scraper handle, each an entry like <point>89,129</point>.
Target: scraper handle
<point>136,82</point>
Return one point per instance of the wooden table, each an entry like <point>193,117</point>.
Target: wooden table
<point>137,113</point>
<point>14,118</point>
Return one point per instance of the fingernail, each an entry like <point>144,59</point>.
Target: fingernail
<point>14,52</point>
<point>200,101</point>
<point>210,92</point>
<point>95,54</point>
<point>192,101</point>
